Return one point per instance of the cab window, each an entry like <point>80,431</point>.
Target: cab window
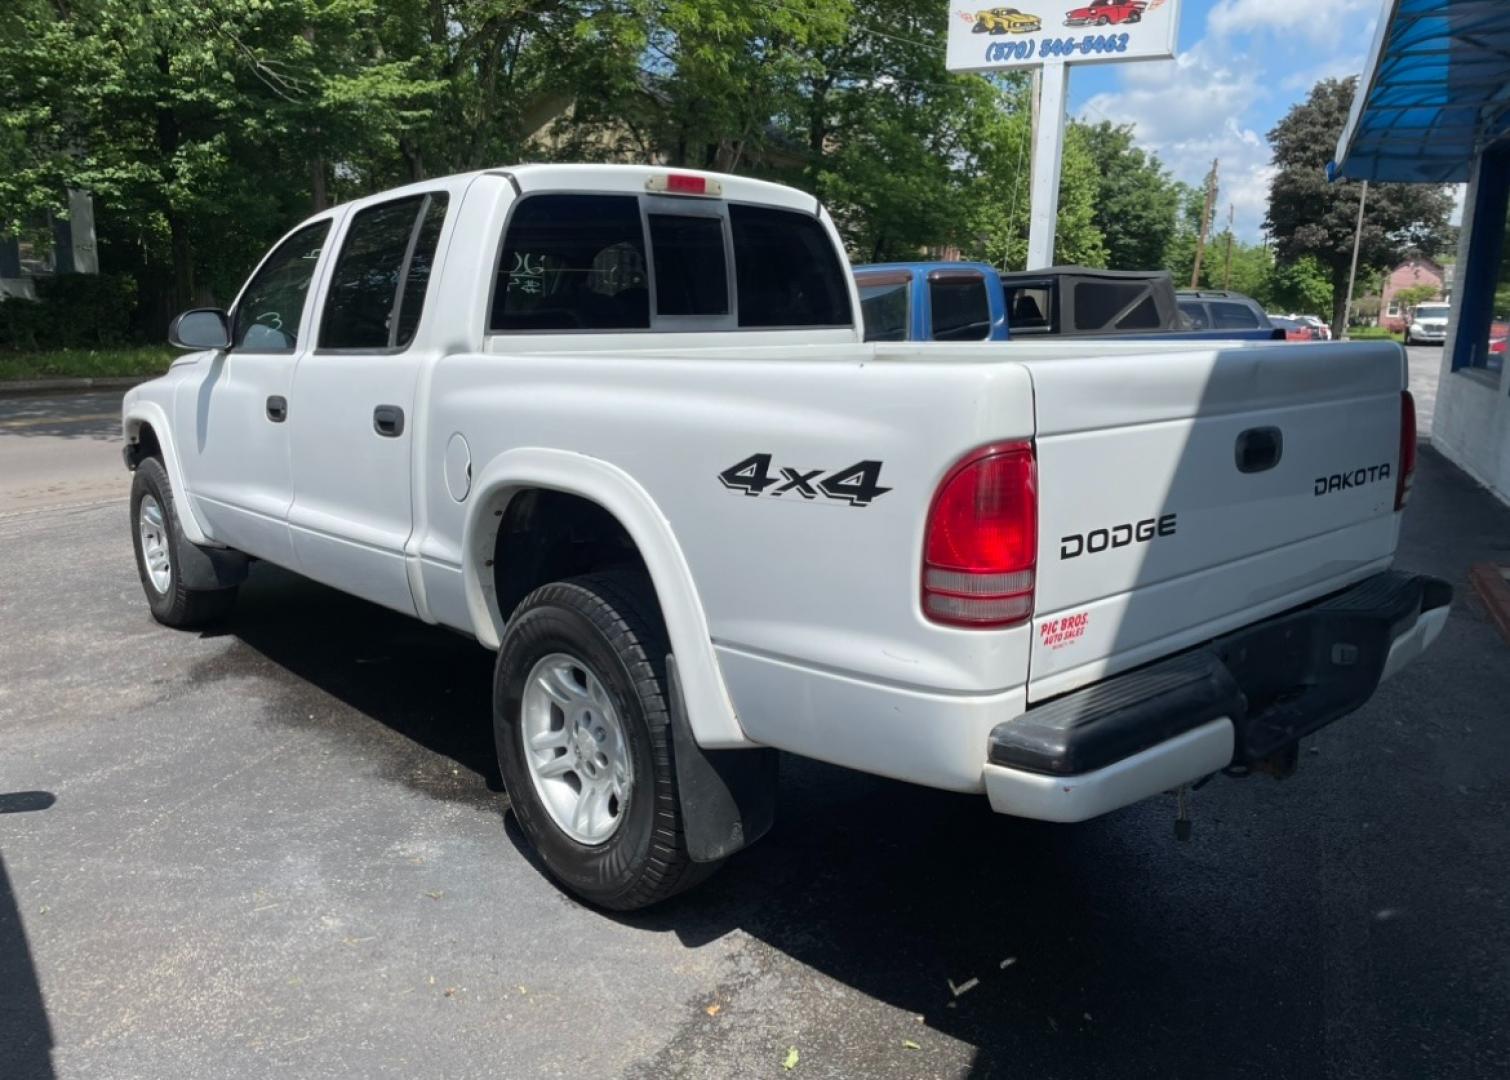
<point>884,304</point>
<point>271,308</point>
<point>378,285</point>
<point>961,310</point>
<point>573,262</point>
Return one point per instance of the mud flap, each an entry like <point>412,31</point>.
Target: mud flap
<point>205,568</point>
<point>728,796</point>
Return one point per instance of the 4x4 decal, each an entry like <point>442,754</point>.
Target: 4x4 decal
<point>858,484</point>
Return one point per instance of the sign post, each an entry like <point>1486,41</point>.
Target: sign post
<point>1050,35</point>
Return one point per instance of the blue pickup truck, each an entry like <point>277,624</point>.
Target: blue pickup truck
<point>967,301</point>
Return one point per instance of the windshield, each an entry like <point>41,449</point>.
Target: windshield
<point>1431,311</point>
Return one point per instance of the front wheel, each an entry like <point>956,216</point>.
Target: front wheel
<point>582,727</point>
<point>156,536</point>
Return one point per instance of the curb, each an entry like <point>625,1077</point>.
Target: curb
<point>13,387</point>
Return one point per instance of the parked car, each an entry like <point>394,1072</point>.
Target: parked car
<point>1295,329</point>
<point>1428,325</point>
<point>1102,12</point>
<point>967,301</point>
<point>1220,309</point>
<point>618,424</point>
<point>1321,330</point>
<point>1005,20</point>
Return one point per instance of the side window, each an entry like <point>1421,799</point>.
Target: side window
<point>1229,316</point>
<point>884,306</point>
<point>960,308</point>
<point>272,304</point>
<point>572,262</point>
<point>786,270</point>
<point>1029,308</point>
<point>417,277</point>
<point>1195,314</point>
<point>368,305</point>
<point>691,274</point>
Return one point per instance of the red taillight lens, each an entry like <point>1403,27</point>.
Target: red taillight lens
<point>683,184</point>
<point>1407,449</point>
<point>981,543</point>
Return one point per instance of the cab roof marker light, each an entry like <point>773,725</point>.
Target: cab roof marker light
<point>684,184</point>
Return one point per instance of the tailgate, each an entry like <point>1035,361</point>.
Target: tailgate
<point>1187,493</point>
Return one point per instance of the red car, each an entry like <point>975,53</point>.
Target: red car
<point>1102,12</point>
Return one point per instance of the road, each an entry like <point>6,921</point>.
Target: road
<point>59,450</point>
<point>281,849</point>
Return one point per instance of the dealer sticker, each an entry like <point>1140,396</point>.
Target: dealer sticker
<point>1057,633</point>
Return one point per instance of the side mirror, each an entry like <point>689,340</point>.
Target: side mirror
<point>201,328</point>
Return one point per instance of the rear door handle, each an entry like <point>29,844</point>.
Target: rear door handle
<point>1259,449</point>
<point>277,408</point>
<point>388,421</point>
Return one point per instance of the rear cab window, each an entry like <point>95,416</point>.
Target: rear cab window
<point>960,308</point>
<point>580,263</point>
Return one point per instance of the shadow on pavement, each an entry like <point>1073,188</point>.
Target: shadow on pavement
<point>1098,944</point>
<point>25,1034</point>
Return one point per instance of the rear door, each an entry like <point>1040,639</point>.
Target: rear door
<point>1182,495</point>
<point>353,399</point>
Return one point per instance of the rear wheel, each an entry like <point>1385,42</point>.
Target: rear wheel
<point>582,727</point>
<point>156,536</point>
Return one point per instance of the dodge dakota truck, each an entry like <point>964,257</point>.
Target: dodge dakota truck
<point>620,424</point>
<point>971,301</point>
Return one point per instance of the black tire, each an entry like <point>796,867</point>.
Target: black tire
<point>610,623</point>
<point>1102,20</point>
<point>979,27</point>
<point>178,605</point>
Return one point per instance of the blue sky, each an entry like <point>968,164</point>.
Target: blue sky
<point>1241,64</point>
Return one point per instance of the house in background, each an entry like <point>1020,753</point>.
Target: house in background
<point>1413,272</point>
<point>71,250</point>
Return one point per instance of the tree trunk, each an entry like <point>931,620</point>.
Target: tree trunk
<point>1339,301</point>
<point>168,136</point>
<point>319,196</point>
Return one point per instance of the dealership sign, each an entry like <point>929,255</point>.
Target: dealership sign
<point>1035,32</point>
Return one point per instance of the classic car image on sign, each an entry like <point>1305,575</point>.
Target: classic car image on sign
<point>1005,20</point>
<point>1104,12</point>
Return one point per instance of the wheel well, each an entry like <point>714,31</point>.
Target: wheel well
<point>143,445</point>
<point>546,536</point>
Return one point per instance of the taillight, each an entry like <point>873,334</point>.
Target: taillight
<point>683,184</point>
<point>1407,449</point>
<point>980,547</point>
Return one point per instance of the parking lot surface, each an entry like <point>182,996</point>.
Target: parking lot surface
<point>281,849</point>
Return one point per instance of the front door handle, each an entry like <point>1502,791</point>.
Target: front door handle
<point>388,421</point>
<point>277,408</point>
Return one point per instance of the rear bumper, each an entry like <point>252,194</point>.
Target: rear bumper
<point>1240,698</point>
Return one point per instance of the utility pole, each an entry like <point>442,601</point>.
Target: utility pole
<point>1227,271</point>
<point>1206,210</point>
<point>1347,308</point>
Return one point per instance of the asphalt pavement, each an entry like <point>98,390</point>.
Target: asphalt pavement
<point>281,849</point>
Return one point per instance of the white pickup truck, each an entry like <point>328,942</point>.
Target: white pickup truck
<point>620,424</point>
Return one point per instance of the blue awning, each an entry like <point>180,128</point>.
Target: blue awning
<point>1435,93</point>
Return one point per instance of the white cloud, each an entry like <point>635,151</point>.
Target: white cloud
<point>1188,111</point>
<point>1316,21</point>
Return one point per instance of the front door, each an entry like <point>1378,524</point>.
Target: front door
<point>233,424</point>
<point>352,512</point>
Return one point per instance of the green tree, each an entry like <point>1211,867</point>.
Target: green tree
<point>1310,216</point>
<point>1137,205</point>
<point>1302,286</point>
<point>1412,296</point>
